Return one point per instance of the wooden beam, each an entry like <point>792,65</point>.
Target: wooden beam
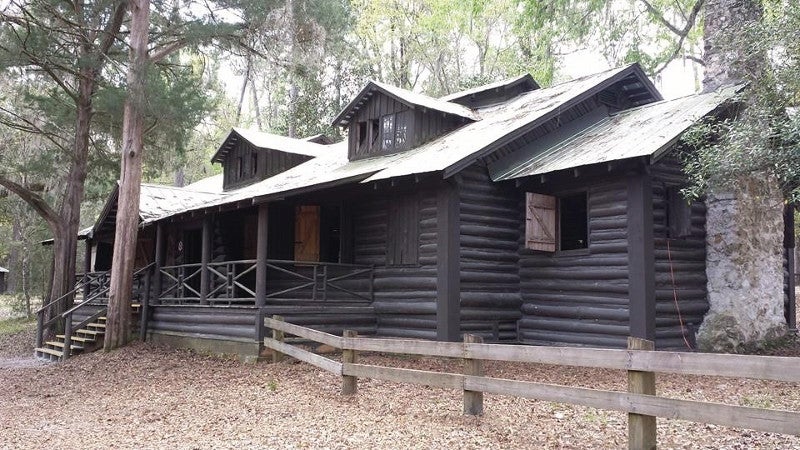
<point>448,242</point>
<point>159,253</point>
<point>641,257</point>
<point>261,254</point>
<point>206,250</point>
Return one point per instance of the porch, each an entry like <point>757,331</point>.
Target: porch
<point>215,307</point>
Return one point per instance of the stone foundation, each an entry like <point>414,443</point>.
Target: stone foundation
<point>744,266</point>
<point>247,351</point>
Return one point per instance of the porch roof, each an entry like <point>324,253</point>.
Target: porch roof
<point>647,131</point>
<point>159,201</point>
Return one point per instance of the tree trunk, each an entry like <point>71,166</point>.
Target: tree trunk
<point>726,22</point>
<point>744,226</point>
<point>122,266</point>
<point>65,232</point>
<point>14,266</point>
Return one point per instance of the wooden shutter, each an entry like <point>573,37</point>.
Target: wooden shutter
<point>679,214</point>
<point>540,222</point>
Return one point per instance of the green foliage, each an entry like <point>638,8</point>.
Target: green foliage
<point>13,326</point>
<point>764,137</point>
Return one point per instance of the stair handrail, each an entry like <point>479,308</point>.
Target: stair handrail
<point>40,323</point>
<point>67,315</point>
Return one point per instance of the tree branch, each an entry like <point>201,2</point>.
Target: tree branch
<point>167,50</point>
<point>34,200</point>
<point>112,27</point>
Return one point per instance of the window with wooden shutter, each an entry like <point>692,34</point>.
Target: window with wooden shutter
<point>540,222</point>
<point>679,214</point>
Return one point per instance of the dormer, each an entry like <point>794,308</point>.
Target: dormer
<point>383,119</point>
<point>493,93</point>
<point>249,156</point>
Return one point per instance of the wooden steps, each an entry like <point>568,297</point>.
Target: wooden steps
<point>85,339</point>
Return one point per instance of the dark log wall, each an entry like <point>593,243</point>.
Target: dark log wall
<point>208,322</point>
<point>580,298</point>
<point>240,322</point>
<point>680,271</point>
<point>490,228</point>
<point>405,296</point>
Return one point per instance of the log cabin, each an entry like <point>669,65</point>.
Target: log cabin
<point>518,213</point>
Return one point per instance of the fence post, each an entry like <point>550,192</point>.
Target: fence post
<point>641,428</point>
<point>473,400</point>
<point>278,336</point>
<point>349,384</point>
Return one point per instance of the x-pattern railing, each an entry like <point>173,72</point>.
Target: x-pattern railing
<point>231,274</point>
<point>322,278</point>
<point>231,281</point>
<point>178,282</point>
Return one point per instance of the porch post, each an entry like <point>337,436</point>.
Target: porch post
<point>641,258</point>
<point>261,254</point>
<point>205,258</point>
<point>448,265</point>
<point>159,259</point>
<point>87,267</point>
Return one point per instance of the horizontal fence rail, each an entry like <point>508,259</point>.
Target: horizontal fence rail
<point>639,364</point>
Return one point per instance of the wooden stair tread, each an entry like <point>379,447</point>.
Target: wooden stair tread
<point>77,338</point>
<point>96,325</point>
<point>61,344</point>
<point>49,351</point>
<point>85,331</point>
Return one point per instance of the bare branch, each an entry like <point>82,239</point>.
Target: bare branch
<point>33,199</point>
<point>112,27</point>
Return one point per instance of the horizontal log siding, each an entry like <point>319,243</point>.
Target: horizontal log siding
<point>208,322</point>
<point>688,265</point>
<point>490,232</point>
<point>580,299</point>
<point>239,323</point>
<point>405,296</point>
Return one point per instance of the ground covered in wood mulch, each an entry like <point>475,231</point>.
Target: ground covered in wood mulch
<point>145,396</point>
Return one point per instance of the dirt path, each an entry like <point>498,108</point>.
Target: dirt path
<point>150,397</point>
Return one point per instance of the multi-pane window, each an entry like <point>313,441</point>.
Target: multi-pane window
<point>394,131</point>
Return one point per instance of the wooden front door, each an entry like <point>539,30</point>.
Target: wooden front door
<point>306,233</point>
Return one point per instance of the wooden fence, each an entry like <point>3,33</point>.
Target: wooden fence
<point>640,362</point>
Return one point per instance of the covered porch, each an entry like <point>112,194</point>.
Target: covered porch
<point>214,273</point>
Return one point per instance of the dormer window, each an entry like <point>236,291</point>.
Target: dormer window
<point>394,128</point>
<point>383,119</point>
<point>387,124</point>
<point>249,156</point>
<point>253,164</point>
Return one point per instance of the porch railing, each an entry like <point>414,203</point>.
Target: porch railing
<point>233,282</point>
